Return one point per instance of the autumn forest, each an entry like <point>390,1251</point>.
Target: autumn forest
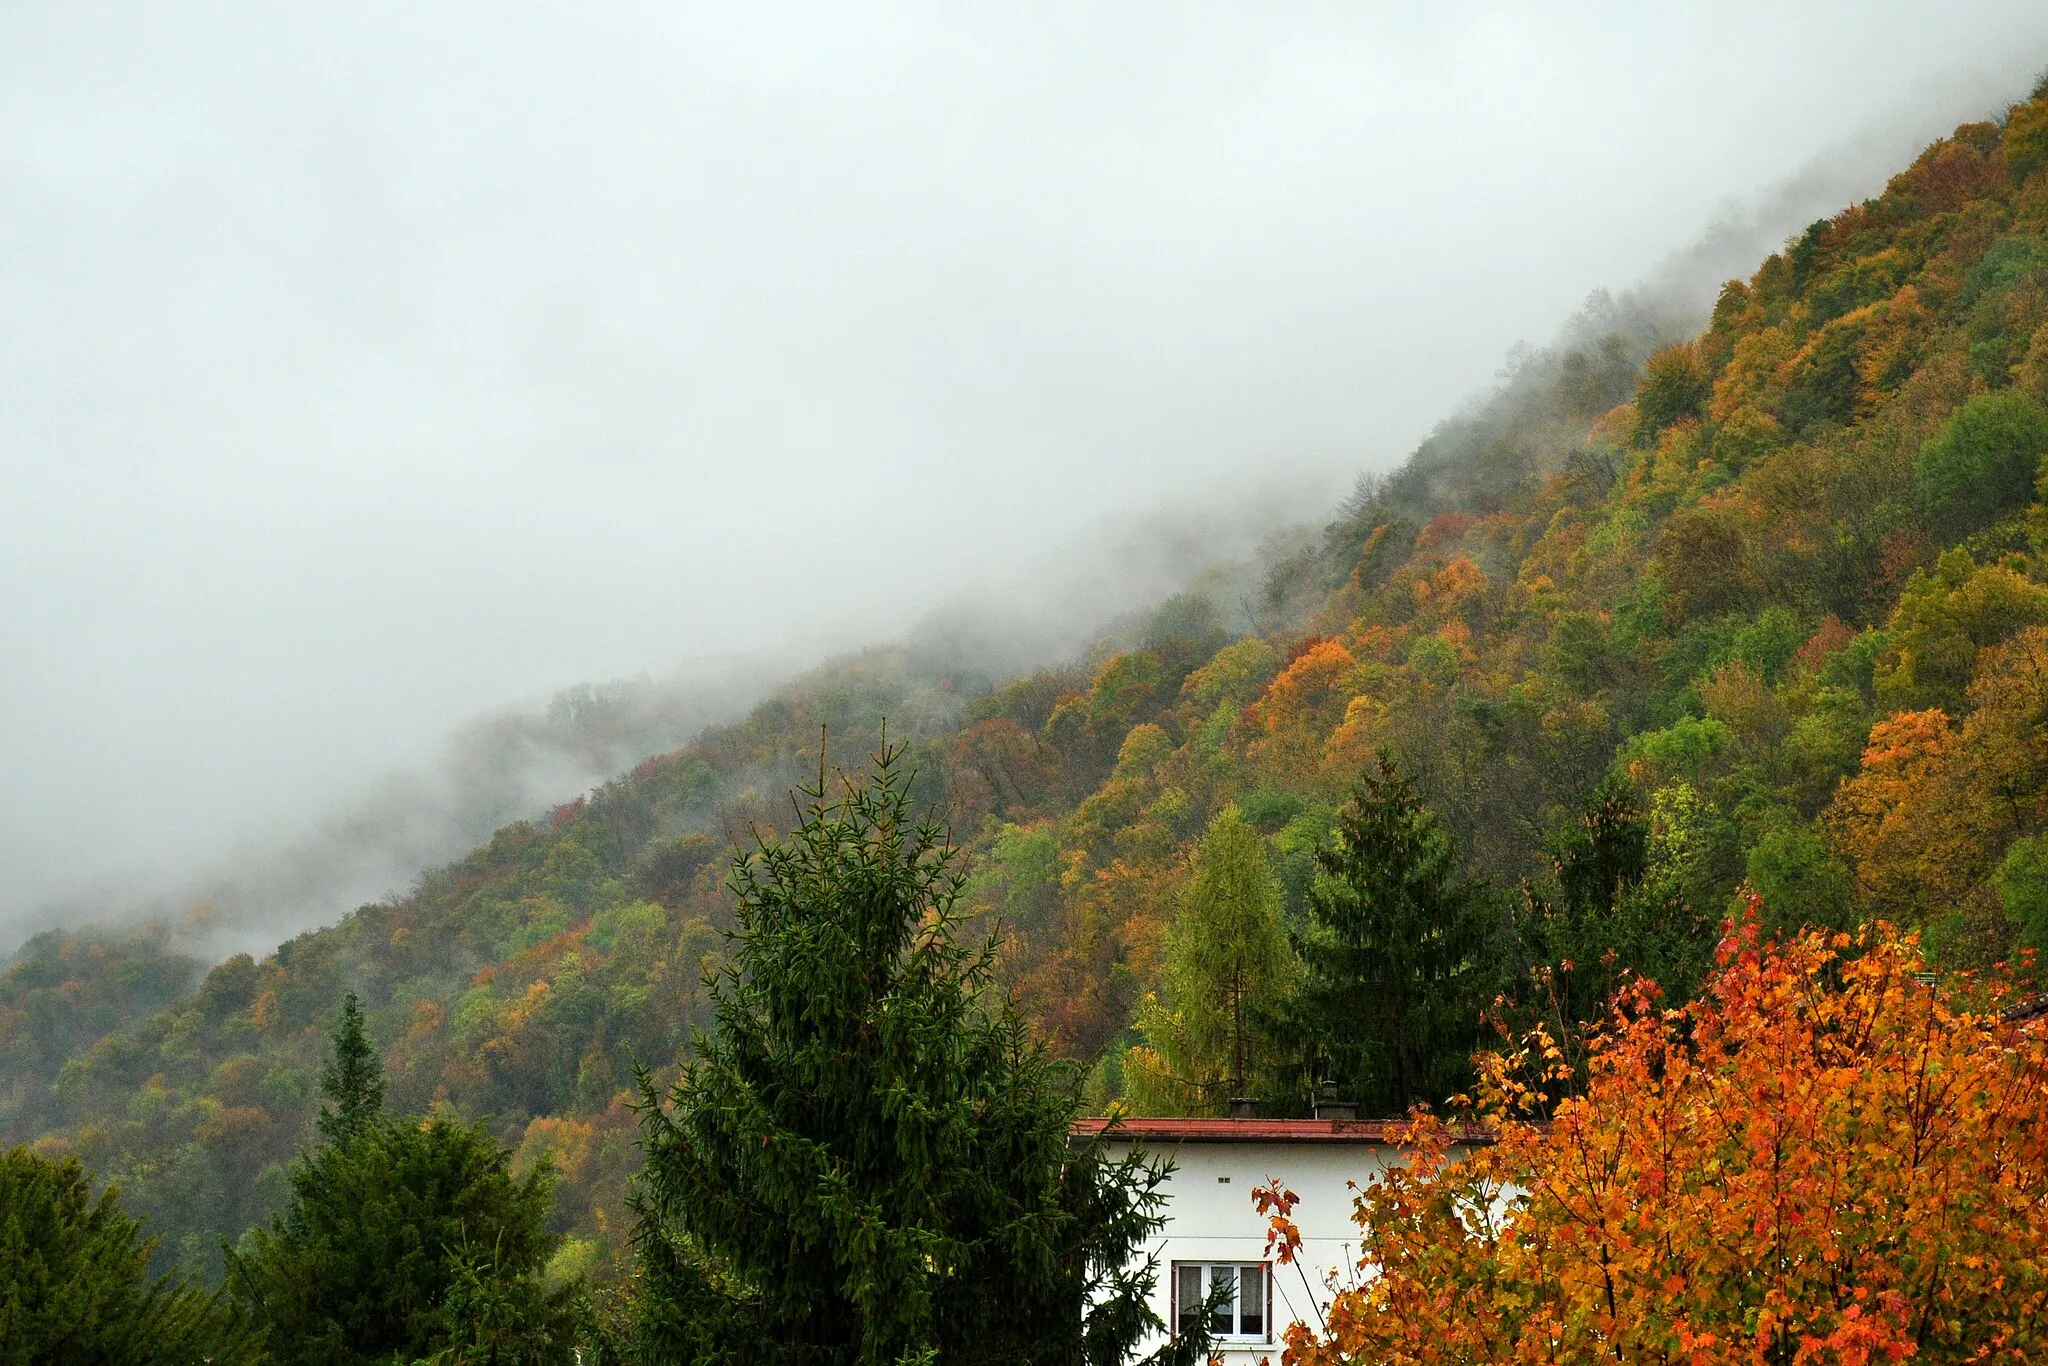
<point>1684,632</point>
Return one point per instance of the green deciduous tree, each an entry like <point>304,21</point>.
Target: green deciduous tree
<point>403,1240</point>
<point>1396,953</point>
<point>867,1161</point>
<point>74,1281</point>
<point>1982,463</point>
<point>1942,620</point>
<point>2022,885</point>
<point>1228,967</point>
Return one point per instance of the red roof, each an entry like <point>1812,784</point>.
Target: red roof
<point>1144,1130</point>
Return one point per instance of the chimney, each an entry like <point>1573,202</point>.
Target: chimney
<point>1244,1107</point>
<point>1329,1107</point>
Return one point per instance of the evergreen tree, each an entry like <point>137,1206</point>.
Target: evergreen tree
<point>1572,931</point>
<point>867,1161</point>
<point>352,1081</point>
<point>1621,903</point>
<point>403,1240</point>
<point>1227,966</point>
<point>74,1281</point>
<point>1397,952</point>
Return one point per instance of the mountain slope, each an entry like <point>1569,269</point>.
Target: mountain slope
<point>1783,586</point>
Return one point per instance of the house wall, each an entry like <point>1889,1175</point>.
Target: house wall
<point>1210,1217</point>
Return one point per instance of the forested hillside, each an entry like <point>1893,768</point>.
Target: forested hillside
<point>1665,619</point>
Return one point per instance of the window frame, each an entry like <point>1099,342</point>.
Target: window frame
<point>1264,1337</point>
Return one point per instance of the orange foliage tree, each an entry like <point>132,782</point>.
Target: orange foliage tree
<point>1823,1159</point>
<point>1897,817</point>
<point>1933,806</point>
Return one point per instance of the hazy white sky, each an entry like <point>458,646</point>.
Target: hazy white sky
<point>365,366</point>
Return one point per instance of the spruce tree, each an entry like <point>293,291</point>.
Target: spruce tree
<point>352,1081</point>
<point>1396,952</point>
<point>867,1161</point>
<point>75,1284</point>
<point>1576,932</point>
<point>403,1241</point>
<point>1623,902</point>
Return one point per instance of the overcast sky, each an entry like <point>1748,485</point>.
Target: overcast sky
<point>365,367</point>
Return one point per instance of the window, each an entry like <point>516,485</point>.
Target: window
<point>1241,1315</point>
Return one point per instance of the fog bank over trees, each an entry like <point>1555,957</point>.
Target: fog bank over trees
<point>366,371</point>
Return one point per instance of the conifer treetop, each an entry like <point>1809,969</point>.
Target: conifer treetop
<point>353,1081</point>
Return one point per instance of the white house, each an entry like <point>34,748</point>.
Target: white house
<point>1213,1232</point>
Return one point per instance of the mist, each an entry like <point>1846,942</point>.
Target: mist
<point>368,370</point>
<point>514,763</point>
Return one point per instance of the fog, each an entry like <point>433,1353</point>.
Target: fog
<point>366,369</point>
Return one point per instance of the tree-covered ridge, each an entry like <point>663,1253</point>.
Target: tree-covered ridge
<point>1767,606</point>
<point>519,984</point>
<point>1812,533</point>
<point>64,992</point>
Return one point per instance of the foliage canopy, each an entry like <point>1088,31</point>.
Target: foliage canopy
<point>867,1161</point>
